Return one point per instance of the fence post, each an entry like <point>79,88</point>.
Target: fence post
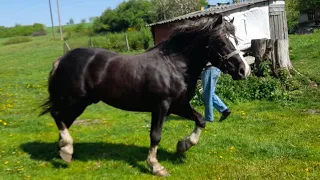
<point>91,43</point>
<point>128,47</point>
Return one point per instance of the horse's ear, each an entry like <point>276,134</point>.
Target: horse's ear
<point>232,20</point>
<point>219,19</point>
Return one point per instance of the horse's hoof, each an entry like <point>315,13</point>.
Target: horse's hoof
<point>181,147</point>
<point>65,156</point>
<point>162,173</point>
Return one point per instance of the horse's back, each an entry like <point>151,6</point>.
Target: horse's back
<point>79,71</point>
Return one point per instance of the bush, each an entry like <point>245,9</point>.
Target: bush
<point>39,33</point>
<point>138,40</point>
<point>255,88</point>
<point>75,30</point>
<point>17,40</point>
<point>21,30</point>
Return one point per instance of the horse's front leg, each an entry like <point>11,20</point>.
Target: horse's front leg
<point>155,136</point>
<point>187,142</point>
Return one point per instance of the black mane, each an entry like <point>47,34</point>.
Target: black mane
<point>189,33</point>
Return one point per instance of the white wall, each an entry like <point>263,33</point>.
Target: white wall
<point>251,24</point>
<point>277,2</point>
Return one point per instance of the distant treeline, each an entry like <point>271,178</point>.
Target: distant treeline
<point>19,30</point>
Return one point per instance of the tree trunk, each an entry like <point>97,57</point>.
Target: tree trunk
<point>274,52</point>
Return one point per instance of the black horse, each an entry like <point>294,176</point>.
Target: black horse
<point>161,81</point>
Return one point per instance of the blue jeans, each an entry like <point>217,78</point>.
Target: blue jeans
<point>210,78</point>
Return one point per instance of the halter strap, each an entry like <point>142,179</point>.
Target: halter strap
<point>226,57</point>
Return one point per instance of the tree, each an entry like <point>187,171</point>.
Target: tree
<point>91,19</point>
<point>167,9</point>
<point>292,12</point>
<point>71,22</point>
<point>83,21</point>
<point>132,13</point>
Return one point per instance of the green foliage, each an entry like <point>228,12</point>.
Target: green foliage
<point>17,40</point>
<point>19,30</point>
<point>292,14</point>
<point>138,40</point>
<point>78,29</point>
<point>167,9</point>
<point>256,88</point>
<point>129,14</point>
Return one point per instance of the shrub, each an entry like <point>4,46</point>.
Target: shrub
<point>19,30</point>
<point>39,33</point>
<point>138,40</point>
<point>17,40</point>
<point>255,88</point>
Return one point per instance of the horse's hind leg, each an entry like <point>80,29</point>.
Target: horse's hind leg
<point>64,119</point>
<point>155,136</point>
<point>189,112</point>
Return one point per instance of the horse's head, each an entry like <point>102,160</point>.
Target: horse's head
<point>222,49</point>
<point>218,36</point>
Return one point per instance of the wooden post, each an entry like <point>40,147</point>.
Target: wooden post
<point>128,47</point>
<point>272,51</point>
<point>53,33</point>
<point>61,35</point>
<point>91,43</point>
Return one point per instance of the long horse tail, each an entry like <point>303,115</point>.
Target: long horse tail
<point>47,105</point>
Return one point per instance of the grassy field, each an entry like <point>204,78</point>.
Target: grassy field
<point>260,140</point>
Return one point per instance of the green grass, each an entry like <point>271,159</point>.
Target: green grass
<point>260,140</point>
<point>305,54</point>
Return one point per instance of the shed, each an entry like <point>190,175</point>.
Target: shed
<point>254,19</point>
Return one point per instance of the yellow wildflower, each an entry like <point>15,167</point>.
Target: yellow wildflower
<point>4,123</point>
<point>6,162</point>
<point>0,120</point>
<point>220,157</point>
<point>307,169</point>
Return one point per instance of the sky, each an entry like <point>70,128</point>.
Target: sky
<point>28,12</point>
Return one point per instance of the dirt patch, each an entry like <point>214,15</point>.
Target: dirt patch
<point>86,122</point>
<point>313,84</point>
<point>312,111</point>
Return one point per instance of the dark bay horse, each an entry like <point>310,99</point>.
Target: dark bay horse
<point>161,81</point>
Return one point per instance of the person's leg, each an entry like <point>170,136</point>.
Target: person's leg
<point>216,101</point>
<point>207,93</point>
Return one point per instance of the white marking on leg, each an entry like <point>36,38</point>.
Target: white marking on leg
<point>66,141</point>
<point>195,135</point>
<point>153,164</point>
<point>189,141</point>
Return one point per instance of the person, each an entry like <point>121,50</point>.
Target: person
<point>210,77</point>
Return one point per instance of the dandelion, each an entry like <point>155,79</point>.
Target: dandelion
<point>18,162</point>
<point>243,113</point>
<point>11,135</point>
<point>232,149</point>
<point>220,157</point>
<point>28,177</point>
<point>307,169</point>
<point>1,120</point>
<point>6,162</point>
<point>21,168</point>
<point>4,123</point>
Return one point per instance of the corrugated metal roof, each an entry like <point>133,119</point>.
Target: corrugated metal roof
<point>209,11</point>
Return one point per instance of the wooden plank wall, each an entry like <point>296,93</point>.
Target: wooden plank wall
<point>278,21</point>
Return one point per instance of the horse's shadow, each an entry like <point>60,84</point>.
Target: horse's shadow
<point>131,154</point>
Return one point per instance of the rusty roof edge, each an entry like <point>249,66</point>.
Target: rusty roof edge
<point>209,11</point>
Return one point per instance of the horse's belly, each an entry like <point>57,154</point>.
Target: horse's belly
<point>129,104</point>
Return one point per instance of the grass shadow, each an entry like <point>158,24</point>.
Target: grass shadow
<point>131,154</point>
